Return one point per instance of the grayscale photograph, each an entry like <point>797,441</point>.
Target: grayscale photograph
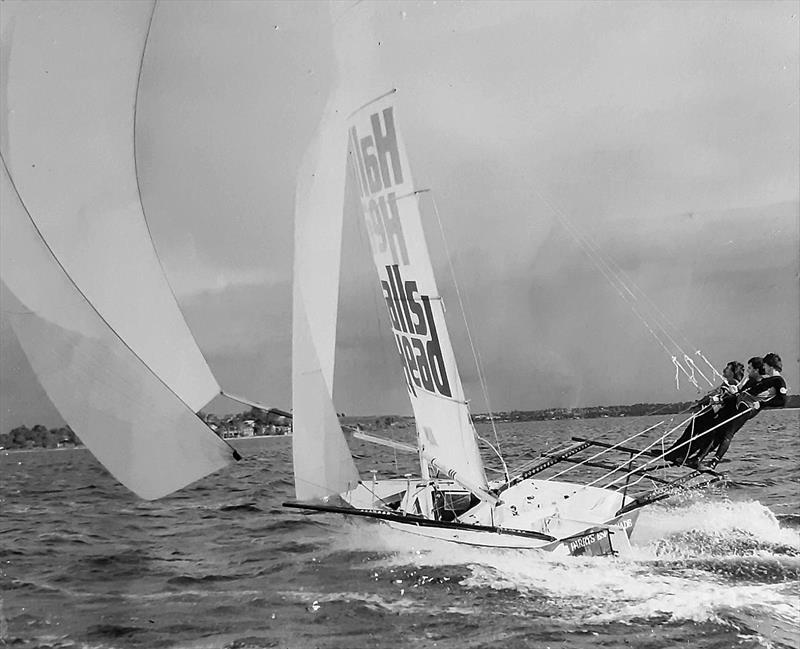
<point>399,324</point>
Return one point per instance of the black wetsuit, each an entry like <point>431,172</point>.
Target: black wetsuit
<point>724,436</point>
<point>777,383</point>
<point>698,437</point>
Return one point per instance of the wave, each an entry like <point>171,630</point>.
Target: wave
<point>242,507</point>
<point>792,520</point>
<point>715,561</point>
<point>314,601</point>
<point>716,528</point>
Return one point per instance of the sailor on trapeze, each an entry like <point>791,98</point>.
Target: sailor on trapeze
<point>768,390</point>
<point>726,409</point>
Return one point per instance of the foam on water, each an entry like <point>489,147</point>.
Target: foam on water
<point>703,560</point>
<point>713,527</point>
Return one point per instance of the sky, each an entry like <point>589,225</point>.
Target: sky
<point>667,133</point>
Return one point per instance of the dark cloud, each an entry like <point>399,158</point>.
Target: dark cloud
<point>668,132</point>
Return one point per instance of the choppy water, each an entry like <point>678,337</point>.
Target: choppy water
<point>221,564</point>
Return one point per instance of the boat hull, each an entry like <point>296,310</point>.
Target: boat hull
<point>602,540</point>
<point>558,517</point>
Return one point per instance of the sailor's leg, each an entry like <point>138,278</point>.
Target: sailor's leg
<point>704,446</point>
<point>679,451</point>
<point>724,443</point>
<point>727,433</point>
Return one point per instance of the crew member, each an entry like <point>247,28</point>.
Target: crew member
<point>719,405</point>
<point>765,388</point>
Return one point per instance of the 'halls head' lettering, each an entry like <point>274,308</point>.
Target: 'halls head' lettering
<point>379,172</point>
<point>415,334</point>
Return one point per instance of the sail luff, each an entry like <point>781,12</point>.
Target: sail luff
<point>212,386</point>
<point>323,465</point>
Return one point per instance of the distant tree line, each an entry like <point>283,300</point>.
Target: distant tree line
<point>264,421</point>
<point>592,412</point>
<point>38,437</point>
<point>250,422</point>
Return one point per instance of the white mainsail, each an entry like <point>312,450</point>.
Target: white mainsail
<point>70,80</point>
<point>390,206</point>
<point>140,430</point>
<point>323,465</point>
<point>83,288</point>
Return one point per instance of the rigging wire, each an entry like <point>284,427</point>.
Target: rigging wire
<point>634,296</point>
<point>602,452</point>
<point>475,355</point>
<point>656,459</point>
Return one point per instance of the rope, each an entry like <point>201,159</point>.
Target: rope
<point>713,369</point>
<point>625,287</point>
<point>646,464</point>
<point>481,378</point>
<point>604,451</point>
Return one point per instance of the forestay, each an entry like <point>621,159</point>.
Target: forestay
<point>390,207</point>
<point>70,76</point>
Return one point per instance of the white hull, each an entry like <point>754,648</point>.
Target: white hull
<point>559,517</point>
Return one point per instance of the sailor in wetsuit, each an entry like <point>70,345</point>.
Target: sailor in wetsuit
<point>718,406</point>
<point>765,388</point>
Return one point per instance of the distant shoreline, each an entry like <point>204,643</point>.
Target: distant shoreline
<point>44,448</point>
<point>375,422</point>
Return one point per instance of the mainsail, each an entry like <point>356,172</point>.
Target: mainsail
<point>390,204</point>
<point>86,295</point>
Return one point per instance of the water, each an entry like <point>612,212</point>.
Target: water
<point>222,564</point>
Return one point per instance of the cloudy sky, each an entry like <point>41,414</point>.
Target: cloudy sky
<point>667,133</point>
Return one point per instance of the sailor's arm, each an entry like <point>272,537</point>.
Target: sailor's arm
<point>777,398</point>
<point>770,392</point>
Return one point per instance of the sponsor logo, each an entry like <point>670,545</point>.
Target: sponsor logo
<point>379,172</point>
<point>415,334</point>
<point>585,541</point>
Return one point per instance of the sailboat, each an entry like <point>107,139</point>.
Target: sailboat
<point>85,293</point>
<point>451,498</point>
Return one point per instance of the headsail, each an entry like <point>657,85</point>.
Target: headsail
<point>83,288</point>
<point>71,73</point>
<point>390,206</point>
<point>136,426</point>
<point>323,465</point>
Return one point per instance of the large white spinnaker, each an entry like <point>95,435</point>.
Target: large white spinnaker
<point>390,206</point>
<point>82,286</point>
<point>323,465</point>
<point>140,430</point>
<point>70,74</point>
